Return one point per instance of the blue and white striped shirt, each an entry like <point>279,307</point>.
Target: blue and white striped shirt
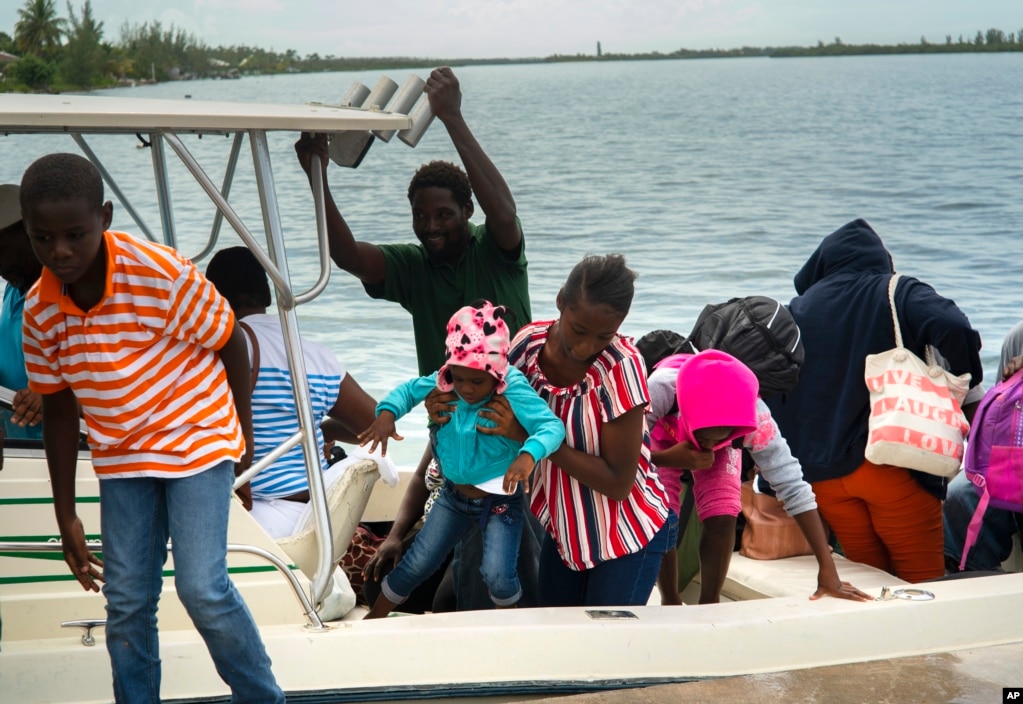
<point>274,416</point>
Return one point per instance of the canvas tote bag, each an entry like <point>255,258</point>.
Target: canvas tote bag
<point>916,416</point>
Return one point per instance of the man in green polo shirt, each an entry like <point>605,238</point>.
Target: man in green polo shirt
<point>455,261</point>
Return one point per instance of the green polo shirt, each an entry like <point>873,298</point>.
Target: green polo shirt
<point>433,291</point>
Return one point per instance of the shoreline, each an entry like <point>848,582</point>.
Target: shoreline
<point>396,63</point>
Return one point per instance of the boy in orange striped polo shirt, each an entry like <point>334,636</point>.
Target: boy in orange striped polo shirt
<point>135,334</point>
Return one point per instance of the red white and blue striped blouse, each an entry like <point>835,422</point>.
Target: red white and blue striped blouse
<point>589,527</point>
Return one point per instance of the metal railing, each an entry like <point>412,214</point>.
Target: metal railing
<point>315,622</point>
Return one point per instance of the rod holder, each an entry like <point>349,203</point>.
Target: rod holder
<point>402,102</point>
<point>421,118</point>
<point>348,148</point>
<point>381,94</point>
<point>356,96</point>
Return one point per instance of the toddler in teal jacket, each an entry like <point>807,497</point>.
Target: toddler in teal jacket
<point>481,471</point>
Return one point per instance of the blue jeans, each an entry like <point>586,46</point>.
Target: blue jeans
<point>624,581</point>
<point>470,591</point>
<point>452,515</point>
<point>994,541</point>
<point>138,515</point>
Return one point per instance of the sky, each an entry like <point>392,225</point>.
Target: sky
<point>538,28</point>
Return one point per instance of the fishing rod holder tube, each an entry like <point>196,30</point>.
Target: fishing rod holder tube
<point>402,102</point>
<point>421,118</point>
<point>348,148</point>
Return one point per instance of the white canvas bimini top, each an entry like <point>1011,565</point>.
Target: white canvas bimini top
<point>91,113</point>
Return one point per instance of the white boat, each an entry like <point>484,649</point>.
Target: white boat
<point>51,649</point>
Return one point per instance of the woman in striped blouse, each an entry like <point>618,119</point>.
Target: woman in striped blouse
<point>598,497</point>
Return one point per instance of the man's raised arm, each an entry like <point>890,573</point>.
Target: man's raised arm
<point>493,194</point>
<point>363,259</point>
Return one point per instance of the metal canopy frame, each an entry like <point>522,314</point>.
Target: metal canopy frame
<point>164,121</point>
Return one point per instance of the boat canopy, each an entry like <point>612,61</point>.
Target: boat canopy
<point>36,114</point>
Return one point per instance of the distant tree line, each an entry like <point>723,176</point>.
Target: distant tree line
<point>48,52</point>
<point>990,41</point>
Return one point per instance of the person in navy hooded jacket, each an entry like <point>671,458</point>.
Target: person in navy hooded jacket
<point>884,516</point>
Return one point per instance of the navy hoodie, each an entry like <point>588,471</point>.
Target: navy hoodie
<point>842,311</point>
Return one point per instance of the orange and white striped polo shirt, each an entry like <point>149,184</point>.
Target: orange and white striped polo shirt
<point>143,362</point>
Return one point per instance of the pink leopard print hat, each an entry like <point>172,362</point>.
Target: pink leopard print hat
<point>478,339</point>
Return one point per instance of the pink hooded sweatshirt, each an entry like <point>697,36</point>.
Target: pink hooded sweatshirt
<point>713,389</point>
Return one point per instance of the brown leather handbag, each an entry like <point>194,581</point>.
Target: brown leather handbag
<point>770,533</point>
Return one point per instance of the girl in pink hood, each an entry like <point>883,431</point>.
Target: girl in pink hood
<point>718,411</point>
<point>717,397</point>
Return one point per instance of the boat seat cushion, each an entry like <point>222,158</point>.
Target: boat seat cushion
<point>346,500</point>
<point>797,576</point>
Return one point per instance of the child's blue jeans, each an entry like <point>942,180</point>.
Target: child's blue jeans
<point>452,515</point>
<point>138,515</point>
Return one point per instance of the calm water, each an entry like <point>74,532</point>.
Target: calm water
<point>716,178</point>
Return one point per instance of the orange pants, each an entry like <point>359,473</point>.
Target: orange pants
<point>882,517</point>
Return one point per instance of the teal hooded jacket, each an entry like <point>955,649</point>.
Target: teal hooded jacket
<point>467,456</point>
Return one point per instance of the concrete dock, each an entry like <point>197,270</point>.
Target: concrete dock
<point>964,677</point>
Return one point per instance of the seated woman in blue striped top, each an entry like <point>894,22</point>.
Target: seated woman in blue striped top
<point>280,493</point>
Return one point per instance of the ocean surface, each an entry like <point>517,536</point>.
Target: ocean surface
<point>716,178</point>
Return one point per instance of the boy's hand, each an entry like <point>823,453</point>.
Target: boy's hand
<point>519,471</point>
<point>78,557</point>
<point>27,408</point>
<point>440,405</point>
<point>379,433</point>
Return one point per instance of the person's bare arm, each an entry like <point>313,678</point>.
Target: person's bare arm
<point>411,510</point>
<point>828,581</point>
<point>353,412</point>
<point>363,259</point>
<point>492,192</point>
<point>613,472</point>
<point>235,356</point>
<point>60,438</point>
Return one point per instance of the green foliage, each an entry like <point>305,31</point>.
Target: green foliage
<point>995,37</point>
<point>7,43</point>
<point>157,52</point>
<point>34,72</point>
<point>84,55</point>
<point>39,30</point>
<point>991,41</point>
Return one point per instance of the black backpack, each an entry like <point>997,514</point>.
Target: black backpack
<point>758,331</point>
<point>658,344</point>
